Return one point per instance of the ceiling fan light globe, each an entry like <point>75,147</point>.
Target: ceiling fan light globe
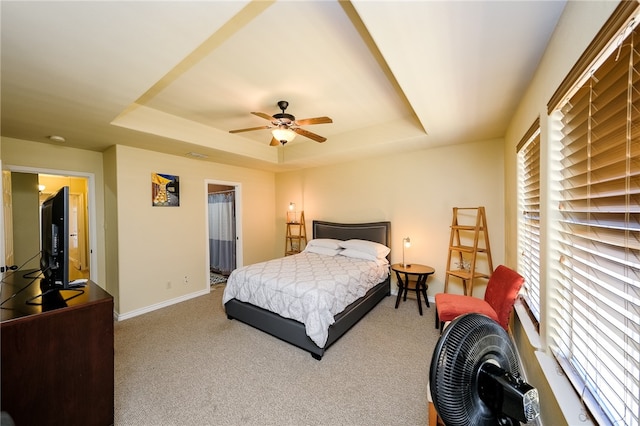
<point>283,135</point>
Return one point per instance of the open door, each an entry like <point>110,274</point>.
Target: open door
<point>77,240</point>
<point>221,202</point>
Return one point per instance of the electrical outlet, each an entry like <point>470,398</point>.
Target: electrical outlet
<point>168,285</point>
<point>186,279</point>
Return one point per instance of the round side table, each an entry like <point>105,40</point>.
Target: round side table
<point>421,273</point>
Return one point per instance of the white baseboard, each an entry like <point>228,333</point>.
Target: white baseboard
<point>147,309</point>
<point>151,308</point>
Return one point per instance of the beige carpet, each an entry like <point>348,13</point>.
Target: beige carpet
<point>188,364</point>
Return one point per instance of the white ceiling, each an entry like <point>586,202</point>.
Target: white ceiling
<point>175,77</point>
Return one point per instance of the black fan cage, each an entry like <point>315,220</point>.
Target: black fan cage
<point>467,343</point>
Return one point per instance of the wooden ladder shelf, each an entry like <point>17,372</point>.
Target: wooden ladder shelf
<point>466,242</point>
<point>296,237</point>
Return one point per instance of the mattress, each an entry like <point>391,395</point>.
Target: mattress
<point>307,287</point>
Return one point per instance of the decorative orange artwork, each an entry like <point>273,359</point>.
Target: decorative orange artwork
<point>165,190</point>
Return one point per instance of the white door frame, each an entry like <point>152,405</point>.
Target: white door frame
<point>2,250</point>
<point>91,195</point>
<point>237,186</point>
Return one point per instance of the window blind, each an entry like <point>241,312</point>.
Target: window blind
<point>595,330</point>
<point>529,219</point>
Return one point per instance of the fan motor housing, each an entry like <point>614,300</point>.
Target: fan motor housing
<point>505,393</point>
<point>284,118</point>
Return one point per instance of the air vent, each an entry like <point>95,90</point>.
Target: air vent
<point>196,155</point>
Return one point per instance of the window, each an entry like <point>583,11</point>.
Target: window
<point>595,305</point>
<point>529,218</point>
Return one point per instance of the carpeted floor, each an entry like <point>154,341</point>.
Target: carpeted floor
<point>187,364</point>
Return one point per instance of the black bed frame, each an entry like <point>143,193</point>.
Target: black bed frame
<point>292,331</point>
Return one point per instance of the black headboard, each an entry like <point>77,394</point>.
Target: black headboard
<point>380,232</point>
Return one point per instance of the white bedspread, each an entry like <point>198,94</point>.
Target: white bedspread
<point>307,287</point>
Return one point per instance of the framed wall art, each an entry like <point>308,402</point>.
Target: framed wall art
<point>165,190</point>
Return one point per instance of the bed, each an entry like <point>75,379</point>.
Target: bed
<point>295,332</point>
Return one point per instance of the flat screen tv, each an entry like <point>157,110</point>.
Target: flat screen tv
<point>54,259</point>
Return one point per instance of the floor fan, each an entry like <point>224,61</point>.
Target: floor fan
<point>474,377</point>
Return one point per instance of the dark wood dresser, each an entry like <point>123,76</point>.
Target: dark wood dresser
<point>57,358</point>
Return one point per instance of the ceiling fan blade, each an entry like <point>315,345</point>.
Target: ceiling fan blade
<point>263,115</point>
<point>316,120</point>
<point>250,129</point>
<point>309,135</point>
<point>274,142</point>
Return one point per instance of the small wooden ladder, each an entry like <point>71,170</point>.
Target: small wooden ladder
<point>466,240</point>
<point>295,241</point>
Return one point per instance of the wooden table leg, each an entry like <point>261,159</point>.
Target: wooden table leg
<point>401,286</point>
<point>418,294</point>
<point>423,289</point>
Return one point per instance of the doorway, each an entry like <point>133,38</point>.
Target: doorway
<point>222,230</point>
<point>34,187</point>
<point>79,266</point>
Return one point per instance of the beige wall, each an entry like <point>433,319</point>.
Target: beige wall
<point>26,220</point>
<point>416,191</point>
<point>157,247</point>
<point>578,26</point>
<point>141,248</point>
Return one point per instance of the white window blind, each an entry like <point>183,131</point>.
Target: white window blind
<point>595,317</point>
<point>529,218</point>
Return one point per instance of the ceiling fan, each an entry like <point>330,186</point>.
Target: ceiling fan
<point>284,126</point>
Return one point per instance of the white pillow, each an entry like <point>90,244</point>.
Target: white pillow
<point>322,250</point>
<point>357,254</point>
<point>374,249</point>
<point>325,242</point>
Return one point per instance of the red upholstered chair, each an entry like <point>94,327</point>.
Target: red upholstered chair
<point>499,298</point>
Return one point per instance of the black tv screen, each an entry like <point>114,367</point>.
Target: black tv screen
<point>54,259</point>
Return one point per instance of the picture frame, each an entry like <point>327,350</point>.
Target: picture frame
<point>165,190</point>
